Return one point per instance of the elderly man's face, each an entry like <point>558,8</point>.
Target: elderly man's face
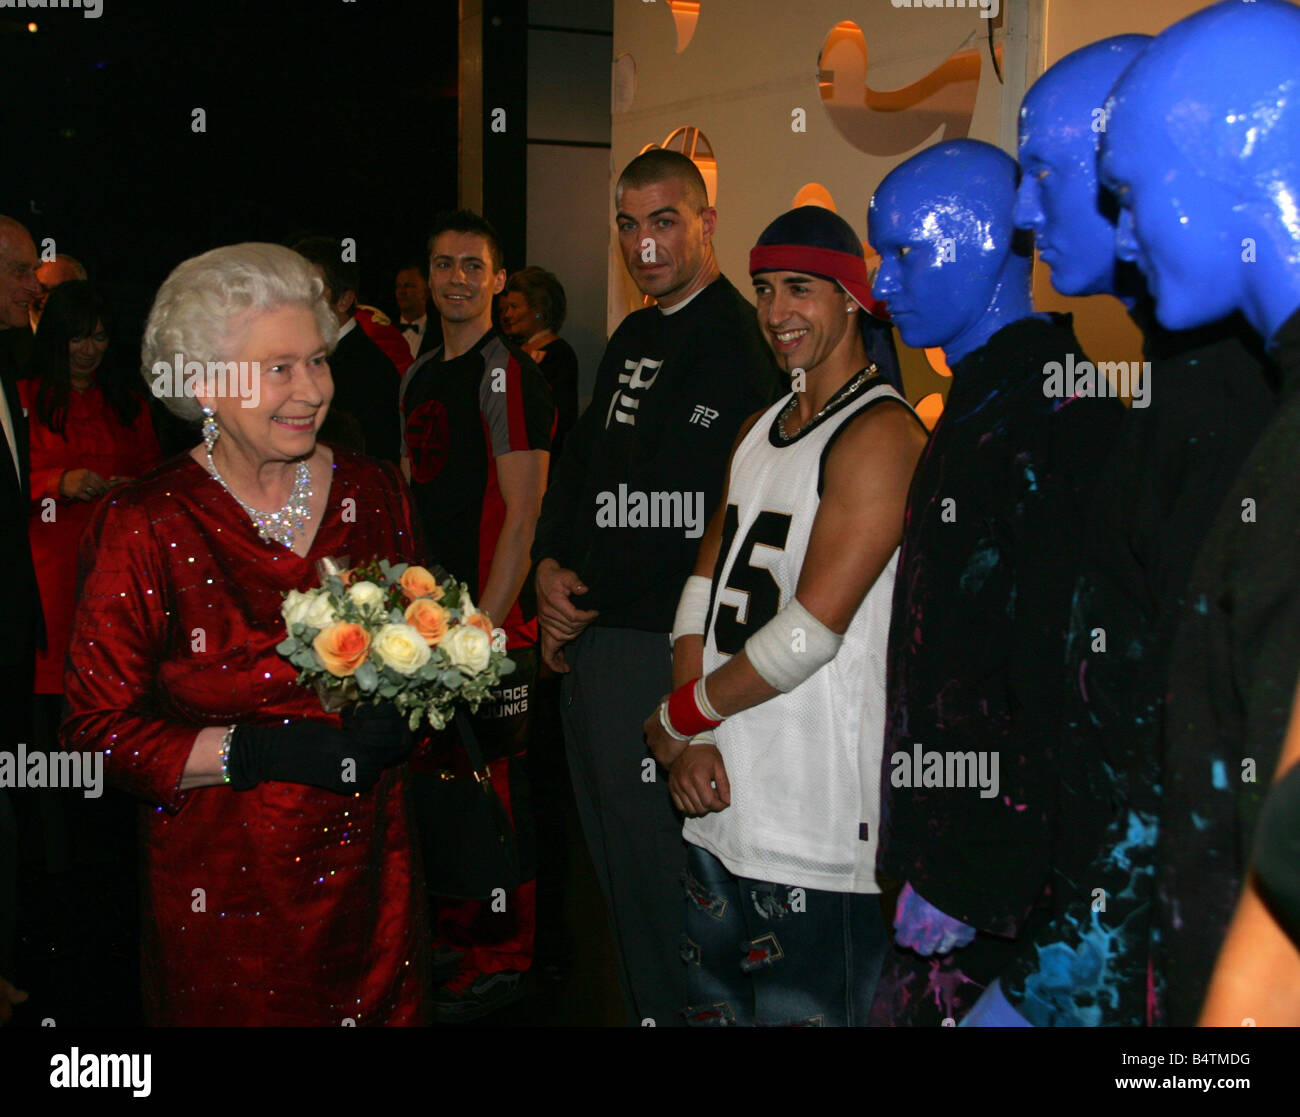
<point>19,287</point>
<point>50,274</point>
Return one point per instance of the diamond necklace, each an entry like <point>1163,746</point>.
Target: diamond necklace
<point>278,526</point>
<point>839,397</point>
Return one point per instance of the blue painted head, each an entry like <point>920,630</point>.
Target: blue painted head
<point>952,270</point>
<point>1062,119</point>
<point>1202,152</point>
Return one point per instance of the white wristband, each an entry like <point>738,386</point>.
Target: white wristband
<point>702,701</point>
<point>692,608</point>
<point>666,722</point>
<point>771,650</point>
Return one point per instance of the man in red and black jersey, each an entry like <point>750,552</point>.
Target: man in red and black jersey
<point>477,422</point>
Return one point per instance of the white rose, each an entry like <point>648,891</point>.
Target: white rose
<point>401,647</point>
<point>294,607</point>
<point>366,596</point>
<point>467,647</point>
<point>312,609</point>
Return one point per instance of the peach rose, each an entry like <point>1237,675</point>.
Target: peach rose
<point>428,618</point>
<point>418,582</point>
<point>480,620</point>
<point>342,648</point>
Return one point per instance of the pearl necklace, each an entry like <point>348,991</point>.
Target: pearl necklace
<point>277,527</point>
<point>835,400</point>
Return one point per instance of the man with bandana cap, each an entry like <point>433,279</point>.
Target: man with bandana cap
<point>988,563</point>
<point>772,735</point>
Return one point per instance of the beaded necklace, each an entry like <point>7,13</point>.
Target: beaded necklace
<point>277,527</point>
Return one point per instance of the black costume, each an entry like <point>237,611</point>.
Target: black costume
<point>1277,852</point>
<point>989,560</point>
<point>1208,398</point>
<point>1235,661</point>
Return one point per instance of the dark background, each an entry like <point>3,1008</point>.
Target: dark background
<point>322,115</point>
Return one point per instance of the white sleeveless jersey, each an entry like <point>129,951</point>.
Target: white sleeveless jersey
<point>804,767</point>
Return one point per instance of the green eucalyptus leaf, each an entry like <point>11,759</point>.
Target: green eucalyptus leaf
<point>367,677</point>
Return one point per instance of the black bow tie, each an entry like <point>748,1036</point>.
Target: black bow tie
<point>408,326</point>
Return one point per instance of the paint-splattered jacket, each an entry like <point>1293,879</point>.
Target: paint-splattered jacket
<point>1206,400</point>
<point>989,561</point>
<point>1231,684</point>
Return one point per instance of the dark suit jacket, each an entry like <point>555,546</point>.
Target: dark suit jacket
<point>432,334</point>
<point>23,603</point>
<point>365,386</point>
<point>432,330</point>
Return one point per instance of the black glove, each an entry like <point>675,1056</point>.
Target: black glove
<point>343,760</point>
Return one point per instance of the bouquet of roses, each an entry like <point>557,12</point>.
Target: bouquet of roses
<point>391,631</point>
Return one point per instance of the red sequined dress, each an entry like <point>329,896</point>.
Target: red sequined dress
<point>286,904</point>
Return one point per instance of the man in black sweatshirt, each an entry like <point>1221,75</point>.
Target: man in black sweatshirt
<point>617,538</point>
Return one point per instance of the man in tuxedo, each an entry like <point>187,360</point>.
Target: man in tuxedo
<point>365,384</point>
<point>19,288</point>
<point>412,295</point>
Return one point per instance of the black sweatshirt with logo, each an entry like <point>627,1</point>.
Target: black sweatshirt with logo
<point>671,392</point>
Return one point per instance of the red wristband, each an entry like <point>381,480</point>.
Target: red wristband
<point>685,713</point>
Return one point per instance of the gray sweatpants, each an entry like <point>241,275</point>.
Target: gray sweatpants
<point>635,837</point>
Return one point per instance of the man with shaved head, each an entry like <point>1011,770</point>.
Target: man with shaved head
<point>672,389</point>
<point>18,288</point>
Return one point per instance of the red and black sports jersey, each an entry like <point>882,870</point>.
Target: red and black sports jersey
<point>458,417</point>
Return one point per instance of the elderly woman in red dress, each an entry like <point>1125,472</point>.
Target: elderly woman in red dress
<point>281,887</point>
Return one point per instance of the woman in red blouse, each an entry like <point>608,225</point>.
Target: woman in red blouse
<point>90,430</point>
<point>281,887</point>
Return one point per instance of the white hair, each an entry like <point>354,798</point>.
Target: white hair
<point>197,305</point>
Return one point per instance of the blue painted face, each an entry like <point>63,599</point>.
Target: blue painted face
<point>1172,224</point>
<point>1060,199</point>
<point>1202,152</point>
<point>942,224</point>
